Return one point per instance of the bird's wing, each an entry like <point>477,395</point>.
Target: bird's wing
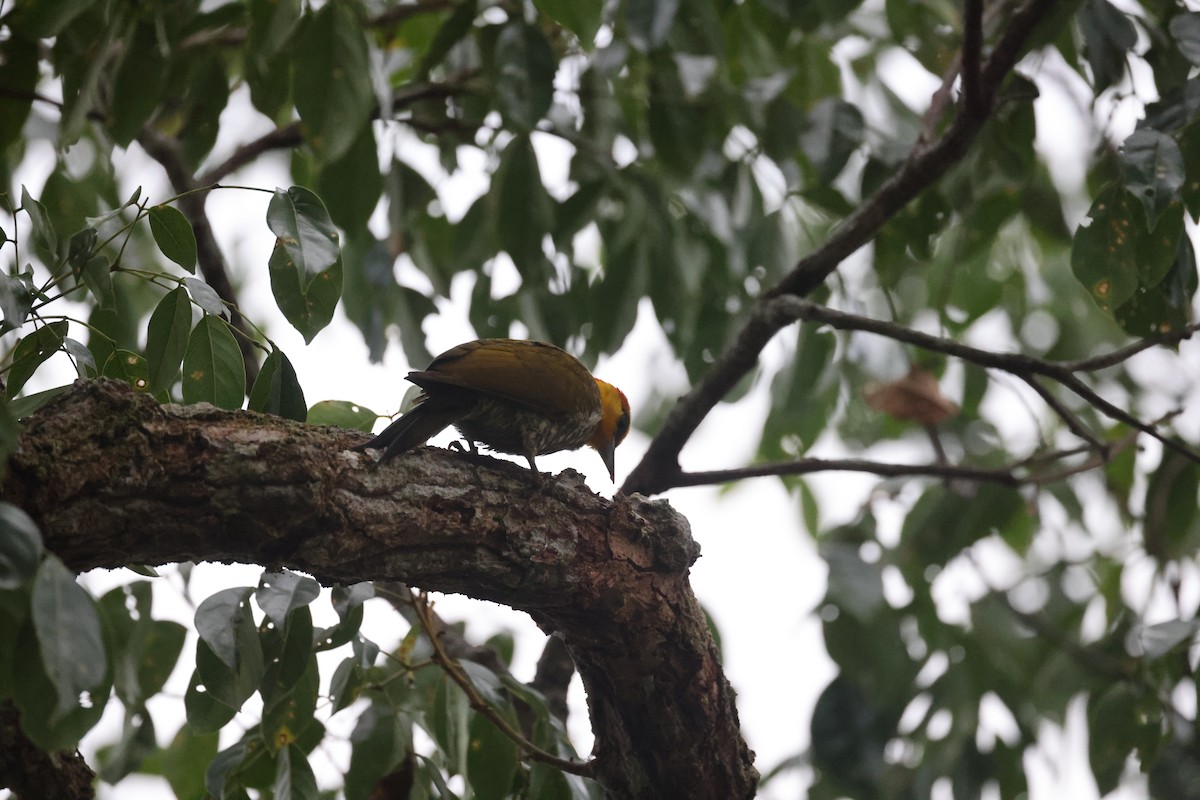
<point>534,374</point>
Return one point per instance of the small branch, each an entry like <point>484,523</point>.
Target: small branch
<point>1005,476</point>
<point>1018,364</point>
<point>291,135</point>
<point>404,600</point>
<point>424,612</point>
<point>283,138</point>
<point>1074,424</point>
<point>1123,354</point>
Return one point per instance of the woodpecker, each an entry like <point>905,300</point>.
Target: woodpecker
<point>513,396</point>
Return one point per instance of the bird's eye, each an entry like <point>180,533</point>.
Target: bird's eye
<point>622,428</point>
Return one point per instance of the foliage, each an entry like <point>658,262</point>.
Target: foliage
<point>711,145</point>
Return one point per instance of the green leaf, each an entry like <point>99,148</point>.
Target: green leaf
<point>581,17</point>
<point>294,778</point>
<point>206,297</point>
<point>19,75</point>
<point>68,634</point>
<point>97,276</point>
<point>342,414</point>
<point>853,584</point>
<point>378,744</point>
<point>525,68</point>
<point>232,686</point>
<point>25,406</point>
<point>167,339</point>
<point>1155,641</point>
<point>304,230</point>
<point>331,84</point>
<point>449,33</point>
<point>1152,165</point>
<point>186,759</point>
<point>136,743</point>
<point>85,362</point>
<point>1165,307</point>
<point>20,546</point>
<point>677,126</point>
<point>945,521</point>
<point>491,759</point>
<point>32,351</point>
<point>39,699</point>
<point>649,22</point>
<point>834,130</point>
<point>351,185</point>
<point>1108,36</point>
<point>800,394</point>
<point>524,209</point>
<point>205,713</point>
<point>1105,256</point>
<point>1113,730</point>
<point>223,765</point>
<point>213,368</point>
<point>218,619</point>
<point>1185,30</point>
<point>308,310</point>
<point>139,83</point>
<point>16,299</point>
<point>277,390</point>
<point>128,366</point>
<point>348,603</point>
<point>144,651</point>
<point>289,713</point>
<point>345,684</point>
<point>43,19</point>
<point>281,593</point>
<point>174,236</point>
<point>1170,528</point>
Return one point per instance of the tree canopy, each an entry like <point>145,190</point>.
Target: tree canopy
<point>951,242</point>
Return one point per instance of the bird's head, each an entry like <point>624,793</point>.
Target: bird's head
<point>614,424</point>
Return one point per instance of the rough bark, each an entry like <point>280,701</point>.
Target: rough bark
<point>113,478</point>
<point>30,772</point>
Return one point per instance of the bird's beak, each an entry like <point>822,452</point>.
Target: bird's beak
<point>609,453</point>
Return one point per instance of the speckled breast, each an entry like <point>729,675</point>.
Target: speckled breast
<point>509,428</point>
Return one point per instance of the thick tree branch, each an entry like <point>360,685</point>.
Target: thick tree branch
<point>924,167</point>
<point>112,478</point>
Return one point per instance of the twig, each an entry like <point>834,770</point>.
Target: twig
<point>1017,364</point>
<point>424,611</point>
<point>1010,475</point>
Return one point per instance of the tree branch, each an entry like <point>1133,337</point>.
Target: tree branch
<point>925,165</point>
<point>1022,366</point>
<point>112,478</point>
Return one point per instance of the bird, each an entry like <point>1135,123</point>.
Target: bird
<point>514,396</point>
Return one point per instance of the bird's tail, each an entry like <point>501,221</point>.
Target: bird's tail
<point>412,429</point>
